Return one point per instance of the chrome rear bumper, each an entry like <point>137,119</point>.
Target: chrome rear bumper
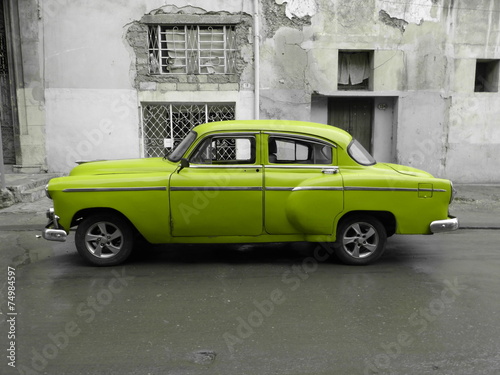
<point>52,231</point>
<point>447,225</point>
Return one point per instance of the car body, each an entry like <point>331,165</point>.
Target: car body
<point>249,182</point>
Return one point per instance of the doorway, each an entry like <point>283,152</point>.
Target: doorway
<point>354,115</point>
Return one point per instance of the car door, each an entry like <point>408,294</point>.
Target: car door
<point>303,187</point>
<point>220,192</point>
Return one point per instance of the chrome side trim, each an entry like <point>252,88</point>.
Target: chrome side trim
<point>303,188</point>
<point>327,188</point>
<point>107,189</point>
<point>290,166</point>
<point>347,188</point>
<point>216,188</point>
<point>279,188</point>
<point>230,166</point>
<point>363,188</point>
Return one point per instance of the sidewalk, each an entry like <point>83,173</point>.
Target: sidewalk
<point>476,206</point>
<point>24,188</point>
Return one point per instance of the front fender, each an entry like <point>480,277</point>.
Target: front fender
<point>143,201</point>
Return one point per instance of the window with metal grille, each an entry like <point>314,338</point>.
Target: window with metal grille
<point>165,125</point>
<point>192,49</point>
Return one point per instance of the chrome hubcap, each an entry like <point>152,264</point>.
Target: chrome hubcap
<point>360,240</point>
<point>104,240</point>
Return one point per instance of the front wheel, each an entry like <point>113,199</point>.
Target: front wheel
<point>360,240</point>
<point>104,239</point>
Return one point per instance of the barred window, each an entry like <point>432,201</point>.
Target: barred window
<point>192,49</point>
<point>165,125</point>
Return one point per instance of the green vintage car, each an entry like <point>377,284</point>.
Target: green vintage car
<point>249,182</point>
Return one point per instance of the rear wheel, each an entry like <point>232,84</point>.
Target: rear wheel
<point>104,239</point>
<point>360,240</point>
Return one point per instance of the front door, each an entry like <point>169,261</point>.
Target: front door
<point>220,192</point>
<point>353,115</point>
<point>303,186</point>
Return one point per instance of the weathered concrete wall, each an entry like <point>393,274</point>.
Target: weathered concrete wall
<point>424,54</point>
<point>93,87</point>
<point>91,106</point>
<point>31,157</point>
<point>84,67</point>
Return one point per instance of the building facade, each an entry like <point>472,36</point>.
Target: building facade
<point>416,81</point>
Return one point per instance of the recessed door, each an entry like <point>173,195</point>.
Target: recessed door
<point>354,115</point>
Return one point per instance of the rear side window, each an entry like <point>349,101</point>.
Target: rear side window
<point>283,150</point>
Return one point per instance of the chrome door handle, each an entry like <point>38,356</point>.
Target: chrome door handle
<point>330,170</point>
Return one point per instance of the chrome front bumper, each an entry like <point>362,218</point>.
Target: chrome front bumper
<point>52,231</point>
<point>447,225</point>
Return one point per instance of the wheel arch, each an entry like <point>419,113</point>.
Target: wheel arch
<point>386,218</point>
<point>86,212</point>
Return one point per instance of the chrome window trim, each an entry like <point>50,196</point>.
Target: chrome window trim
<point>301,137</point>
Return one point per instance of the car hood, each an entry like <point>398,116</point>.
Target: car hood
<point>407,171</point>
<point>127,166</point>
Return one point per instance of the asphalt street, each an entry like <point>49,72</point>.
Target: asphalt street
<point>429,306</point>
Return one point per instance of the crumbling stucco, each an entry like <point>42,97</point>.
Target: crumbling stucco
<point>411,11</point>
<point>392,21</point>
<point>275,16</point>
<point>299,8</point>
<point>137,36</point>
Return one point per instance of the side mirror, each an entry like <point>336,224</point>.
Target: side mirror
<point>184,164</point>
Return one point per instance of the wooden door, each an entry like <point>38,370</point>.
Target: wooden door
<point>354,115</point>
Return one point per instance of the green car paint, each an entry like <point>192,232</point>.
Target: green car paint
<point>252,198</point>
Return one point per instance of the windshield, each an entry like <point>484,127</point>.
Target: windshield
<point>359,153</point>
<point>181,148</point>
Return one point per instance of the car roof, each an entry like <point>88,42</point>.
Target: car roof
<point>339,136</point>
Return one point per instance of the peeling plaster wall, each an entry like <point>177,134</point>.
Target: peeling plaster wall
<point>86,55</point>
<point>92,86</point>
<point>424,55</point>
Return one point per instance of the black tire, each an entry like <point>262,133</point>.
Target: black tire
<point>104,239</point>
<point>360,240</point>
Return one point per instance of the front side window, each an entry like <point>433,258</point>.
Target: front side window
<point>298,151</point>
<point>192,49</point>
<point>225,150</point>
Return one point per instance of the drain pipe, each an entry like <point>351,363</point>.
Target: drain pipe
<point>256,61</point>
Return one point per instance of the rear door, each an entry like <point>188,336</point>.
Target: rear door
<point>303,189</point>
